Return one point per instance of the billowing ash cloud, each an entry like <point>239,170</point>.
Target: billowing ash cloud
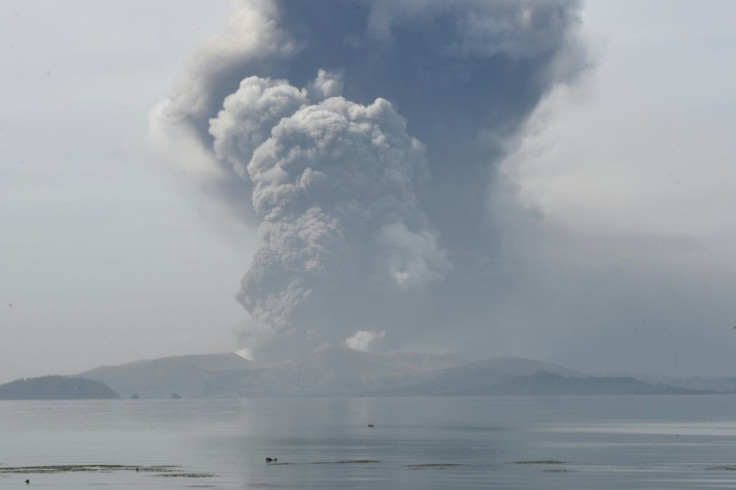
<point>362,138</point>
<point>332,183</point>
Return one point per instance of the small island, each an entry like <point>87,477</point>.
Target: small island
<point>56,388</point>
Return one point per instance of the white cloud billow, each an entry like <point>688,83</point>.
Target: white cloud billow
<point>362,340</point>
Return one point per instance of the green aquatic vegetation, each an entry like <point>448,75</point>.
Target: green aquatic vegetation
<point>438,466</point>
<point>541,461</point>
<point>89,468</point>
<point>186,475</point>
<point>349,461</point>
<point>342,461</point>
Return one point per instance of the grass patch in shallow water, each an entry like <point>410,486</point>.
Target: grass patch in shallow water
<point>170,471</point>
<point>89,468</point>
<point>349,461</point>
<point>541,461</point>
<point>436,466</point>
<point>186,475</point>
<point>342,461</point>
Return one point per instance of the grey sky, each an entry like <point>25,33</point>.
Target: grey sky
<point>107,255</point>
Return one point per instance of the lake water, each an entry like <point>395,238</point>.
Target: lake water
<point>637,442</point>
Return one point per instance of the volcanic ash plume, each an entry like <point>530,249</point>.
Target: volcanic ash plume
<point>362,139</point>
<point>332,183</point>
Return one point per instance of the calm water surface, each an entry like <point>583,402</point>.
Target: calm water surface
<point>639,442</point>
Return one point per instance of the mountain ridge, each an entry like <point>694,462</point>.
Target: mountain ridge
<point>56,387</point>
<point>341,371</point>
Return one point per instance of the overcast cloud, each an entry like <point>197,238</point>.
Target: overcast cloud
<point>589,224</point>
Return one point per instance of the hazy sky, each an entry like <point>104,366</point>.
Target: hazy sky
<point>612,213</point>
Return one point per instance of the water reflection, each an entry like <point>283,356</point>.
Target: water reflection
<point>428,443</point>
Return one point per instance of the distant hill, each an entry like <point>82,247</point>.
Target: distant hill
<point>476,378</point>
<point>546,383</point>
<point>417,361</point>
<point>344,371</point>
<point>340,371</point>
<point>330,371</point>
<point>721,385</point>
<point>55,388</point>
<point>195,376</point>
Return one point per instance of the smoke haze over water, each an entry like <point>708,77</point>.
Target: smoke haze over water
<point>362,140</point>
